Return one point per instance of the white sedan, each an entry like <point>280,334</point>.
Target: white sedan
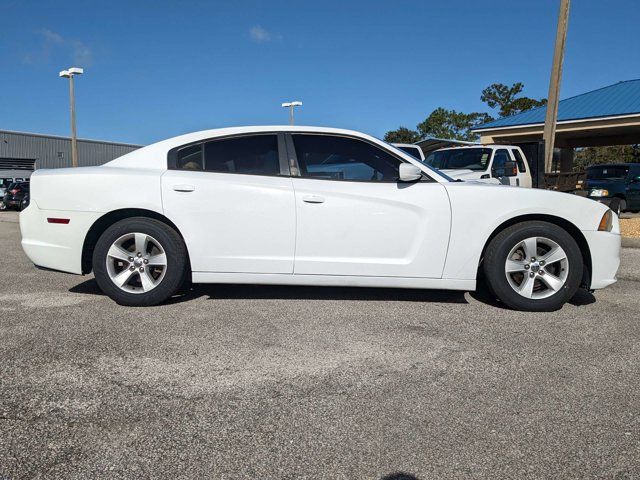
<point>310,206</point>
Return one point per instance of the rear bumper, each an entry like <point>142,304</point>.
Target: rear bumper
<point>605,257</point>
<point>53,245</point>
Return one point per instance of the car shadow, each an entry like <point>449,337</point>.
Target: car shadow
<point>581,298</point>
<point>399,476</point>
<point>287,292</point>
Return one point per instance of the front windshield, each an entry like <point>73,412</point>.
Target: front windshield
<point>607,172</point>
<point>476,159</point>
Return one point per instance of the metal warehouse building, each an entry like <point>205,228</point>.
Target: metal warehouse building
<point>21,153</point>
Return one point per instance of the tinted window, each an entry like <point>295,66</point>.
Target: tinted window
<point>520,161</point>
<point>341,158</point>
<point>189,158</point>
<point>606,172</point>
<point>252,155</point>
<point>475,159</point>
<point>500,160</point>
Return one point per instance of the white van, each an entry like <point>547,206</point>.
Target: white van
<point>505,164</point>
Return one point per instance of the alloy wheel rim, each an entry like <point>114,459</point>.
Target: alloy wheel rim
<point>136,263</point>
<point>537,268</point>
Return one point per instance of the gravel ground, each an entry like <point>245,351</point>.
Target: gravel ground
<point>630,227</point>
<point>284,382</point>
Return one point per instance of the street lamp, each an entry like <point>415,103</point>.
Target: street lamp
<point>70,73</point>
<point>291,106</point>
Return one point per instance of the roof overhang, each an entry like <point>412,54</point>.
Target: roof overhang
<point>585,132</point>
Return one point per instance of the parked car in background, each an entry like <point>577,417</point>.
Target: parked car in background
<point>14,197</point>
<point>411,149</point>
<point>5,182</point>
<point>616,185</point>
<point>310,206</point>
<point>505,164</point>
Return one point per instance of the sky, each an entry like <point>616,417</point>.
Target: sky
<point>156,69</point>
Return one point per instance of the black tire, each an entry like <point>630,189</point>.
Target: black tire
<point>618,205</point>
<point>498,251</point>
<point>176,258</point>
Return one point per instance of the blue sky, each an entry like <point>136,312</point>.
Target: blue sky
<point>155,69</point>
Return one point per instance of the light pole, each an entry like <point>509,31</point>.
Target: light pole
<point>70,73</point>
<point>291,106</point>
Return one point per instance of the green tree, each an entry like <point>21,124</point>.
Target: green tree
<point>402,135</point>
<point>584,157</point>
<point>444,123</point>
<point>503,97</point>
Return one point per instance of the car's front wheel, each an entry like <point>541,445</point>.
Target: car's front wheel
<point>140,261</point>
<point>618,205</point>
<point>533,266</point>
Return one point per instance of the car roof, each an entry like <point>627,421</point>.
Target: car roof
<point>489,145</point>
<point>154,155</point>
<point>405,145</point>
<point>621,164</point>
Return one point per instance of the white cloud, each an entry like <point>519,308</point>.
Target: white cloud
<point>51,36</point>
<point>77,52</point>
<point>261,35</point>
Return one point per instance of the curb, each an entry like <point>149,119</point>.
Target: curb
<point>629,242</point>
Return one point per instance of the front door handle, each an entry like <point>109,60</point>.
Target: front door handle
<point>184,188</point>
<point>313,199</point>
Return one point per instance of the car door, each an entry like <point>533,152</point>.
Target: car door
<point>232,200</point>
<point>355,218</point>
<point>632,188</point>
<point>523,178</point>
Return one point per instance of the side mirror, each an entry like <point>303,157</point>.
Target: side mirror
<point>409,173</point>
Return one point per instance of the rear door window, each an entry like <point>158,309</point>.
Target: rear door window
<point>249,155</point>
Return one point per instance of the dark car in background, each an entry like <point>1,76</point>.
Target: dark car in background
<point>16,196</point>
<point>616,185</point>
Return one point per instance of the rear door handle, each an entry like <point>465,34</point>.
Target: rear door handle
<point>313,199</point>
<point>184,188</point>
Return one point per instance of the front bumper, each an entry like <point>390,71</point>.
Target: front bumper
<point>604,200</point>
<point>605,257</point>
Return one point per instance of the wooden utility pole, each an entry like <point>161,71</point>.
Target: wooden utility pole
<point>549,134</point>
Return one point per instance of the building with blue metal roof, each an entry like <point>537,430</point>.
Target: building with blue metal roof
<point>607,116</point>
<point>615,100</point>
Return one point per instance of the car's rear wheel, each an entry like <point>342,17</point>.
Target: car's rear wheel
<point>140,261</point>
<point>533,266</point>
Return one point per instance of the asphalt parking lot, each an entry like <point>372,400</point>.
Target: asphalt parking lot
<point>284,382</point>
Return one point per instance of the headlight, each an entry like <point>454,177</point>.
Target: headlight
<point>606,223</point>
<point>600,192</point>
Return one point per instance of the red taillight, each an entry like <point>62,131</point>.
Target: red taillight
<point>64,221</point>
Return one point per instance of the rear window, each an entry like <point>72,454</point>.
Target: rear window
<point>250,155</point>
<point>519,160</point>
<point>607,172</point>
